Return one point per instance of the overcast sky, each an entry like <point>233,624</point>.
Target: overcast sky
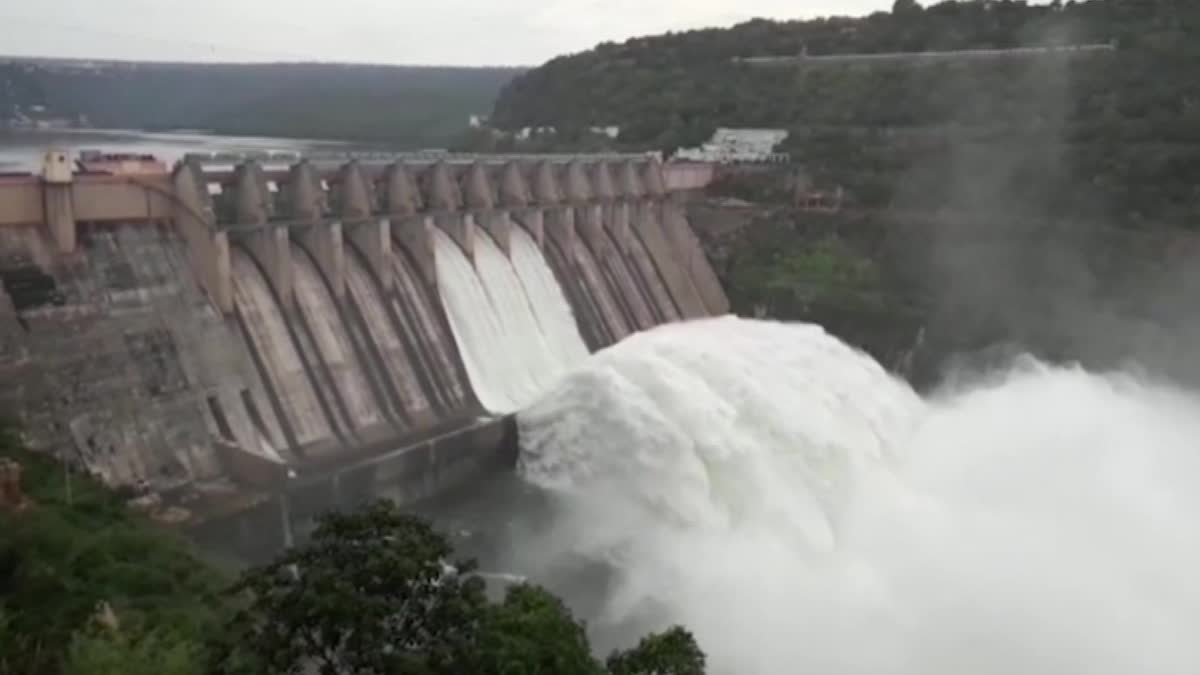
<point>452,32</point>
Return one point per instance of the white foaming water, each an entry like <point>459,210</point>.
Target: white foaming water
<point>550,306</point>
<point>803,512</point>
<point>510,357</point>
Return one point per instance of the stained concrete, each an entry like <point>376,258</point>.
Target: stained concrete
<point>215,355</point>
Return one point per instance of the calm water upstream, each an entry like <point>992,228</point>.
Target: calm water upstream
<point>23,150</point>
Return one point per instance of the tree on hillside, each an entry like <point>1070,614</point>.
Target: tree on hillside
<point>376,593</point>
<point>88,587</point>
<point>373,592</point>
<point>673,652</point>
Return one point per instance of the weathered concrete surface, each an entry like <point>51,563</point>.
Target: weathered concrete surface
<point>120,360</point>
<point>214,346</point>
<point>647,223</point>
<point>690,255</point>
<point>407,475</point>
<point>93,199</point>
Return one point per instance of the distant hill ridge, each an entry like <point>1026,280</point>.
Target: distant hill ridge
<point>1099,135</point>
<point>402,105</point>
<point>674,89</point>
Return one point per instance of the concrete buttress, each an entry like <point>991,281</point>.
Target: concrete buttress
<point>309,206</point>
<point>59,207</point>
<point>271,247</point>
<point>208,248</point>
<point>374,239</point>
<point>307,201</point>
<point>402,197</point>
<point>589,215</point>
<point>445,199</point>
<point>253,197</point>
<point>481,198</point>
<point>416,235</point>
<point>355,194</point>
<point>615,214</point>
<point>558,222</point>
<point>325,243</point>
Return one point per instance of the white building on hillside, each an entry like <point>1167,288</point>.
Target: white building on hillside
<point>738,145</point>
<point>610,131</point>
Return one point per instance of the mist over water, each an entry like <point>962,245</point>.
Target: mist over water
<point>804,512</point>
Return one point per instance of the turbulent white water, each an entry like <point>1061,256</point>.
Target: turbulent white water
<point>550,306</point>
<point>512,353</point>
<point>803,512</point>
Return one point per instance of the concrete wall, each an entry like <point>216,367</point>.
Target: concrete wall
<point>112,199</point>
<point>132,344</point>
<point>688,176</point>
<point>21,202</point>
<point>407,476</point>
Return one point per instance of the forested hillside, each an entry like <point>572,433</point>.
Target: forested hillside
<point>18,88</point>
<point>404,105</point>
<point>1040,200</point>
<point>1112,134</point>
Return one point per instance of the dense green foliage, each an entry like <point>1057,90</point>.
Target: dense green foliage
<point>1113,135</point>
<point>89,588</point>
<point>406,106</point>
<point>376,593</point>
<point>673,652</point>
<point>75,550</point>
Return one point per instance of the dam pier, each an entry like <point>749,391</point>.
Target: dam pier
<point>244,344</point>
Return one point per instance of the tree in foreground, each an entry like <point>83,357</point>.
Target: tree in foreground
<point>377,593</point>
<point>89,587</point>
<point>672,652</point>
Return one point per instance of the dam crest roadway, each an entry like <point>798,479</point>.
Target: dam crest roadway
<point>248,343</point>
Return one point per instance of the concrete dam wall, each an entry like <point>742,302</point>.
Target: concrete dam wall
<point>227,335</point>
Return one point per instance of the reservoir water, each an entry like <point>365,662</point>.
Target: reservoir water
<point>22,150</point>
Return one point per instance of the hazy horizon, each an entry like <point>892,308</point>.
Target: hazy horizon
<point>447,33</point>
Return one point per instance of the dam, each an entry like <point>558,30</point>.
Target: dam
<point>243,344</point>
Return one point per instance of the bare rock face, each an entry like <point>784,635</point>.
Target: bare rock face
<point>12,498</point>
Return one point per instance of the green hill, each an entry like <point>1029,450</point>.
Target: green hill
<point>1113,135</point>
<point>410,106</point>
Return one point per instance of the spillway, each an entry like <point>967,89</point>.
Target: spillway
<point>584,305</point>
<point>400,360</point>
<point>550,306</point>
<point>267,336</point>
<point>332,343</point>
<point>414,311</point>
<point>233,324</point>
<point>509,357</point>
<point>618,323</point>
<point>642,265</point>
<point>624,284</point>
<point>802,511</point>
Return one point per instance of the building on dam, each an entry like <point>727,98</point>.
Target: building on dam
<point>246,343</point>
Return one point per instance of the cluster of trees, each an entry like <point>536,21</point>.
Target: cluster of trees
<point>965,283</point>
<point>1029,199</point>
<point>405,106</point>
<point>75,559</point>
<point>88,588</point>
<point>1105,134</point>
<point>648,84</point>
